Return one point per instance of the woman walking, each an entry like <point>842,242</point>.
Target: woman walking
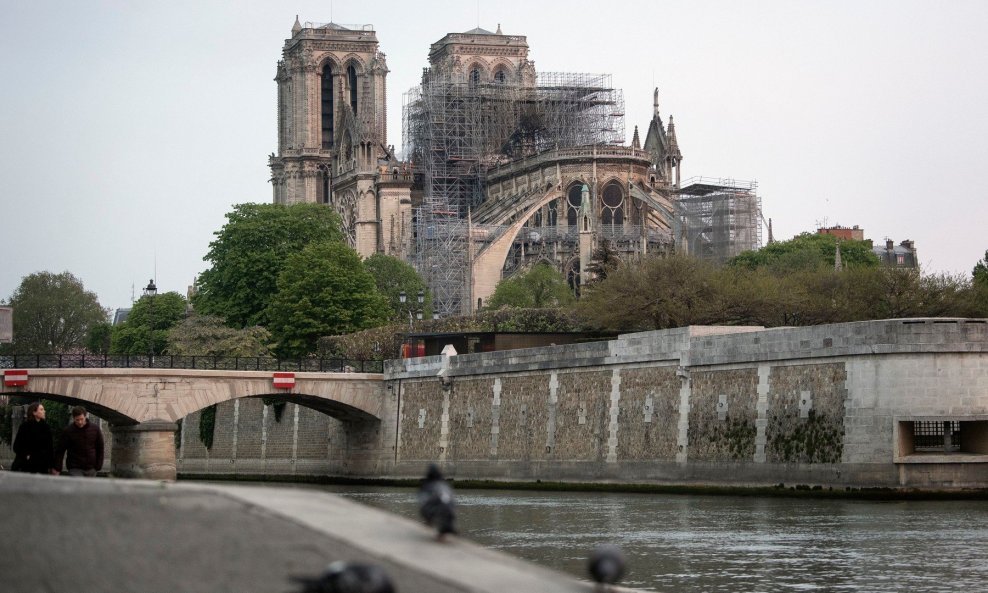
<point>33,445</point>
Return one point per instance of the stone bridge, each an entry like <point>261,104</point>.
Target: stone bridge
<point>143,406</point>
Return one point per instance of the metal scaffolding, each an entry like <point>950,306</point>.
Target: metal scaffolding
<point>720,217</point>
<point>455,131</point>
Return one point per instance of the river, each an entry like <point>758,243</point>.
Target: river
<point>687,544</point>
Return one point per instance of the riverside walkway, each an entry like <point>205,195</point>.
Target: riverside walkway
<point>108,535</point>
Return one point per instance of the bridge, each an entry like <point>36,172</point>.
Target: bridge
<point>143,405</point>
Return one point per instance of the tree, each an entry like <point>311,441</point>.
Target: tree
<point>53,313</point>
<point>392,276</point>
<point>249,253</point>
<point>603,261</point>
<point>100,337</point>
<point>323,290</point>
<point>207,335</point>
<point>150,318</point>
<point>806,252</point>
<point>654,293</point>
<point>541,286</point>
<point>980,272</point>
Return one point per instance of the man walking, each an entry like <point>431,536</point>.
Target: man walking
<point>83,441</point>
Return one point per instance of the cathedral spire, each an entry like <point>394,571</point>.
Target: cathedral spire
<point>297,26</point>
<point>655,102</point>
<point>673,143</point>
<point>635,142</point>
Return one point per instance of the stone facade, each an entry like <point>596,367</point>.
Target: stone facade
<point>829,405</point>
<point>333,149</point>
<point>845,405</point>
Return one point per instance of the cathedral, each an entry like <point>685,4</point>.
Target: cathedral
<point>503,167</point>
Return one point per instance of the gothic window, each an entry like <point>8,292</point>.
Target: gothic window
<point>351,74</point>
<point>612,208</point>
<point>327,106</point>
<point>500,77</point>
<point>323,190</point>
<point>537,219</point>
<point>573,199</point>
<point>475,77</point>
<point>550,214</point>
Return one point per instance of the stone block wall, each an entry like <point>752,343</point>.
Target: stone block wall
<point>722,415</point>
<point>818,405</point>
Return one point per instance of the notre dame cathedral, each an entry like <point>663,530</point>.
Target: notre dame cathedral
<point>503,167</point>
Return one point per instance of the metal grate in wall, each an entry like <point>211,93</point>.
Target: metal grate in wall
<point>937,436</point>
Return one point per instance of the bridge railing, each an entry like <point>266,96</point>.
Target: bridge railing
<point>168,361</point>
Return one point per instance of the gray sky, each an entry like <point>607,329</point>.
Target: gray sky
<point>128,129</point>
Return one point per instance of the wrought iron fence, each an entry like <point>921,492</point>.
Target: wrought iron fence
<point>167,361</point>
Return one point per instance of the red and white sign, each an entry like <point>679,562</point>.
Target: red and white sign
<point>14,378</point>
<point>284,380</point>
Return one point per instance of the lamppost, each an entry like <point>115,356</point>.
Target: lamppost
<point>151,291</point>
<point>418,312</point>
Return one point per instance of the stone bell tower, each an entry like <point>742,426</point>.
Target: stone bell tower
<point>332,126</point>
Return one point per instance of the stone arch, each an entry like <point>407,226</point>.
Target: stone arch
<point>505,68</point>
<point>330,59</point>
<point>481,69</point>
<point>612,201</point>
<point>113,416</point>
<point>490,260</point>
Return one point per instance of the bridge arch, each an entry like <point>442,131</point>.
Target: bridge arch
<point>144,405</point>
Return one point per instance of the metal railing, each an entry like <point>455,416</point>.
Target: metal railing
<point>205,363</point>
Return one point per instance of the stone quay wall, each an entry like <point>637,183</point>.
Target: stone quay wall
<point>836,406</point>
<point>829,405</point>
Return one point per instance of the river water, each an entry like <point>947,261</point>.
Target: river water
<point>731,544</point>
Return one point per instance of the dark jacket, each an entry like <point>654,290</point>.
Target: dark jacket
<point>33,447</point>
<point>84,446</point>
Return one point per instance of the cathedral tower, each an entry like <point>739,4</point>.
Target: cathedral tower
<point>332,125</point>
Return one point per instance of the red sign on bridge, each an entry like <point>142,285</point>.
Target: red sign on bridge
<point>15,378</point>
<point>284,380</point>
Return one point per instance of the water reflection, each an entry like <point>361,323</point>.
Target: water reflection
<point>731,544</point>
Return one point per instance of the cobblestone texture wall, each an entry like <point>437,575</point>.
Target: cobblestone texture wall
<point>806,414</point>
<point>648,422</point>
<point>470,419</point>
<point>522,417</point>
<point>420,420</point>
<point>723,411</point>
<point>582,415</point>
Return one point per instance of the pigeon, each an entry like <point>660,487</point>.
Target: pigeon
<point>436,503</point>
<point>606,565</point>
<point>347,577</point>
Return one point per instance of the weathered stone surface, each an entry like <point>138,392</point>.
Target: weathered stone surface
<point>652,433</point>
<point>806,414</point>
<point>716,434</point>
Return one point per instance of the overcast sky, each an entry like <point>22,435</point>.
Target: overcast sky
<point>128,129</point>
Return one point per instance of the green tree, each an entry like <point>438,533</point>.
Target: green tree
<point>150,318</point>
<point>323,290</point>
<point>980,272</point>
<point>654,293</point>
<point>207,335</point>
<point>100,337</point>
<point>539,287</point>
<point>393,276</point>
<point>249,253</point>
<point>53,313</point>
<point>806,252</point>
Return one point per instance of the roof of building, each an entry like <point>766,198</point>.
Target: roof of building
<point>479,31</point>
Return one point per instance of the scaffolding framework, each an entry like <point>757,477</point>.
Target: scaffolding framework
<point>720,218</point>
<point>455,131</point>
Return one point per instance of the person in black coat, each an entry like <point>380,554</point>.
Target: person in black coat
<point>83,441</point>
<point>33,444</point>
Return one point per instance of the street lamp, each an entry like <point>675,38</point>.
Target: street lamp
<point>151,291</point>
<point>402,297</point>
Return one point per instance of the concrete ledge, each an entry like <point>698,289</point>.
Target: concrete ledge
<point>152,536</point>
